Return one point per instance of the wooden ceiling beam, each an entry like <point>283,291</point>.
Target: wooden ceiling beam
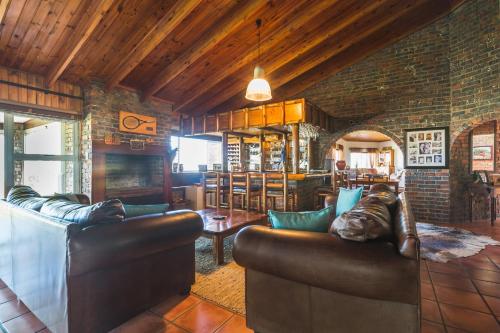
<point>220,30</point>
<point>288,26</point>
<point>94,14</point>
<point>4,5</point>
<point>384,37</point>
<point>171,20</point>
<point>298,51</point>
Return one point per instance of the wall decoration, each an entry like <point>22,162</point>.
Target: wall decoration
<point>427,148</point>
<point>137,145</point>
<point>482,153</point>
<point>137,123</point>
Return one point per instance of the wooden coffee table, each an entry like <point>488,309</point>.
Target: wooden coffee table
<point>220,229</point>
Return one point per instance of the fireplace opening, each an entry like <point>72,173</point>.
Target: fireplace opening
<point>133,176</point>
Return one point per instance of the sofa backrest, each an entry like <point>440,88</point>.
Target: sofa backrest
<point>405,229</point>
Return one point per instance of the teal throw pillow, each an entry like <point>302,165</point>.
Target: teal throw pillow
<point>140,210</point>
<point>347,199</point>
<point>317,221</point>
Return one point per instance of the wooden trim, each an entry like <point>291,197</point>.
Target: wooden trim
<point>36,110</point>
<point>4,5</point>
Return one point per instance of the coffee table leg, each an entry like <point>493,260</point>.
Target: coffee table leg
<point>218,249</point>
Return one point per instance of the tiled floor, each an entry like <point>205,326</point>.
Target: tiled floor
<point>459,296</point>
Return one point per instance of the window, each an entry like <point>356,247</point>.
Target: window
<point>194,152</point>
<point>40,153</point>
<point>362,160</point>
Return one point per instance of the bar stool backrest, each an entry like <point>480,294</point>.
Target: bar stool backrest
<point>275,182</point>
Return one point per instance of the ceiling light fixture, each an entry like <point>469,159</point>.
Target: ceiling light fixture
<point>258,89</point>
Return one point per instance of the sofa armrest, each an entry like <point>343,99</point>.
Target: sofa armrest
<point>372,269</point>
<point>106,245</point>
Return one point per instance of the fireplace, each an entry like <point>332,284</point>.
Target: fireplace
<point>133,176</point>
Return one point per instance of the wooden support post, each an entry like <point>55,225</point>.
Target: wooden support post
<point>295,148</point>
<point>249,192</point>
<point>264,193</point>
<point>309,154</point>
<point>224,152</point>
<point>285,191</point>
<point>231,190</point>
<point>262,156</point>
<point>217,191</point>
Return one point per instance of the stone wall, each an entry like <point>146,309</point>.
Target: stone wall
<point>101,116</point>
<point>444,75</point>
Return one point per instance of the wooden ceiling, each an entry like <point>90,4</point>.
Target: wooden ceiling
<point>200,54</point>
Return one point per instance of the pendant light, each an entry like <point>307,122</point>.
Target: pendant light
<point>258,89</point>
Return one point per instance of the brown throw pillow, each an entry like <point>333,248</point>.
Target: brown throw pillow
<point>369,219</point>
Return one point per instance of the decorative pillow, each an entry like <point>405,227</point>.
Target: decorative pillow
<point>369,219</point>
<point>317,221</point>
<point>384,193</point>
<point>347,199</point>
<point>103,212</point>
<point>140,210</point>
<point>25,197</point>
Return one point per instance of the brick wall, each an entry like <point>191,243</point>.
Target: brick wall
<point>101,116</point>
<point>444,75</point>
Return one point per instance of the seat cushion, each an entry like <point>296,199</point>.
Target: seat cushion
<point>347,199</point>
<point>25,197</point>
<point>103,212</point>
<point>369,219</point>
<point>317,221</point>
<point>140,210</point>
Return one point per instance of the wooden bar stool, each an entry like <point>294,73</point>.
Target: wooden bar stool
<point>240,185</point>
<point>275,186</point>
<point>213,184</point>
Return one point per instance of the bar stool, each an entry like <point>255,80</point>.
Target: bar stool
<point>213,184</point>
<point>240,185</point>
<point>275,186</point>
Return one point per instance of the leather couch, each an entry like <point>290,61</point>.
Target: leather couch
<point>298,281</point>
<point>94,279</point>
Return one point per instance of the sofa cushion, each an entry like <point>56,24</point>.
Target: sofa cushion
<point>103,212</point>
<point>317,221</point>
<point>369,219</point>
<point>385,194</point>
<point>347,199</point>
<point>25,197</point>
<point>140,210</point>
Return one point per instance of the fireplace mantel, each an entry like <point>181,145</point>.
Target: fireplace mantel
<point>99,152</point>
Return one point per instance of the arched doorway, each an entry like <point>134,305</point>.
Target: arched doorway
<point>367,151</point>
<point>474,150</point>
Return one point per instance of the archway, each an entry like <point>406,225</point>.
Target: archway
<point>476,148</point>
<point>365,150</point>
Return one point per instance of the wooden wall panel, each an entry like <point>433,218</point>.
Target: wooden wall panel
<point>42,99</point>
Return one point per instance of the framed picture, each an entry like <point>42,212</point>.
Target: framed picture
<point>137,123</point>
<point>482,153</point>
<point>427,148</point>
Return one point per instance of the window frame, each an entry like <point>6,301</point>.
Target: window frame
<point>10,157</point>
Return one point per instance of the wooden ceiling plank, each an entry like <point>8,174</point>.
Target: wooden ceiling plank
<point>298,51</point>
<point>95,13</point>
<point>217,33</point>
<point>9,22</point>
<point>179,11</point>
<point>4,5</point>
<point>292,23</point>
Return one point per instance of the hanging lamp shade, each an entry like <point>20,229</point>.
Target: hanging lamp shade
<point>258,89</point>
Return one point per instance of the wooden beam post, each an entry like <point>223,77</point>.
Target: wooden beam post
<point>309,154</point>
<point>295,148</point>
<point>224,152</point>
<point>262,156</point>
<point>94,14</point>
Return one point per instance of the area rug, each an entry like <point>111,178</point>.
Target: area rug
<point>441,244</point>
<point>224,284</point>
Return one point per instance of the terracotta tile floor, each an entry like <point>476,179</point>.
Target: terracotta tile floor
<point>460,296</point>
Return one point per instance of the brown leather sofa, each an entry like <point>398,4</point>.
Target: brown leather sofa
<point>299,281</point>
<point>94,279</point>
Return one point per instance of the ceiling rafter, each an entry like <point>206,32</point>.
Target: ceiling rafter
<point>174,16</point>
<point>277,36</point>
<point>4,5</point>
<point>325,48</point>
<point>219,31</point>
<point>398,29</point>
<point>94,14</point>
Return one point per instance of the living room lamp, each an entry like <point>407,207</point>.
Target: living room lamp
<point>258,89</point>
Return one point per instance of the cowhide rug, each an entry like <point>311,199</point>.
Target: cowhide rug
<point>440,244</point>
